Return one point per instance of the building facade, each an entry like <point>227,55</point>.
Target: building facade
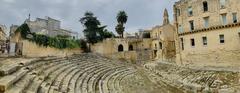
<point>208,32</point>
<point>3,39</point>
<point>50,27</point>
<point>163,40</point>
<point>156,43</point>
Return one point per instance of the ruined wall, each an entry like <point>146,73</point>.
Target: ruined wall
<point>143,56</point>
<point>128,55</point>
<point>105,47</point>
<point>31,49</point>
<point>109,47</point>
<point>137,57</point>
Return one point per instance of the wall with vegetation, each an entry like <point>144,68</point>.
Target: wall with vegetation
<point>31,49</point>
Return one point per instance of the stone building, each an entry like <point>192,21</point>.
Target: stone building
<point>3,38</point>
<point>163,40</point>
<point>50,27</point>
<point>208,32</point>
<point>156,43</point>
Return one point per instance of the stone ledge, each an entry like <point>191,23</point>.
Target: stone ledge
<point>7,81</point>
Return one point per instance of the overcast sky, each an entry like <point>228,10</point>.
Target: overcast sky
<point>143,14</point>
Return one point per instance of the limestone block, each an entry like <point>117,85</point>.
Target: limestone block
<point>8,69</point>
<point>7,81</point>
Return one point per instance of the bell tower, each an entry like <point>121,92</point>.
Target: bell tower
<point>165,16</point>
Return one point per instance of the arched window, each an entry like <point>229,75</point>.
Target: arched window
<point>205,6</point>
<point>130,48</point>
<point>120,48</point>
<point>160,45</point>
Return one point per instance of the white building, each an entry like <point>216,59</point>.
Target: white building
<point>50,27</point>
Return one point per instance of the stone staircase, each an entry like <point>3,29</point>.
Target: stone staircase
<point>82,73</point>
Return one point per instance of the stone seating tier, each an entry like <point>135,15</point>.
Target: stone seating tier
<point>85,73</point>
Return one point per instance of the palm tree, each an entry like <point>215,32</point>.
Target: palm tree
<point>119,29</point>
<point>121,19</point>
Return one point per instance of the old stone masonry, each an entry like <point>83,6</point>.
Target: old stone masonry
<point>84,73</point>
<point>92,73</point>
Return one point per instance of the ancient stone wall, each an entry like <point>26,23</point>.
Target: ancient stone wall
<point>138,57</point>
<point>109,47</point>
<point>31,49</point>
<point>143,56</point>
<point>128,55</point>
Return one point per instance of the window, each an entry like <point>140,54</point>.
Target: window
<point>224,19</point>
<point>205,6</point>
<point>178,12</point>
<point>192,42</point>
<point>155,46</point>
<point>130,48</point>
<point>182,43</point>
<point>204,41</point>
<point>222,4</point>
<point>239,34</point>
<point>190,12</point>
<point>234,17</point>
<point>191,25</point>
<point>160,45</point>
<point>180,29</point>
<point>206,22</point>
<point>120,48</point>
<point>221,37</point>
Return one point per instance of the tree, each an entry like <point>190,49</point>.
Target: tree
<point>119,29</point>
<point>24,30</point>
<point>107,34</point>
<point>91,25</point>
<point>83,45</point>
<point>121,19</point>
<point>93,31</point>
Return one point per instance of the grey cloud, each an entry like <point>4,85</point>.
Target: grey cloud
<point>142,13</point>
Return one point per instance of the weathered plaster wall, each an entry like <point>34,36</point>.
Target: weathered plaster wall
<point>214,53</point>
<point>128,55</point>
<point>109,47</point>
<point>31,49</point>
<point>138,57</point>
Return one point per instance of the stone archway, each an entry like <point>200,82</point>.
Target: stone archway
<point>120,48</point>
<point>130,48</point>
